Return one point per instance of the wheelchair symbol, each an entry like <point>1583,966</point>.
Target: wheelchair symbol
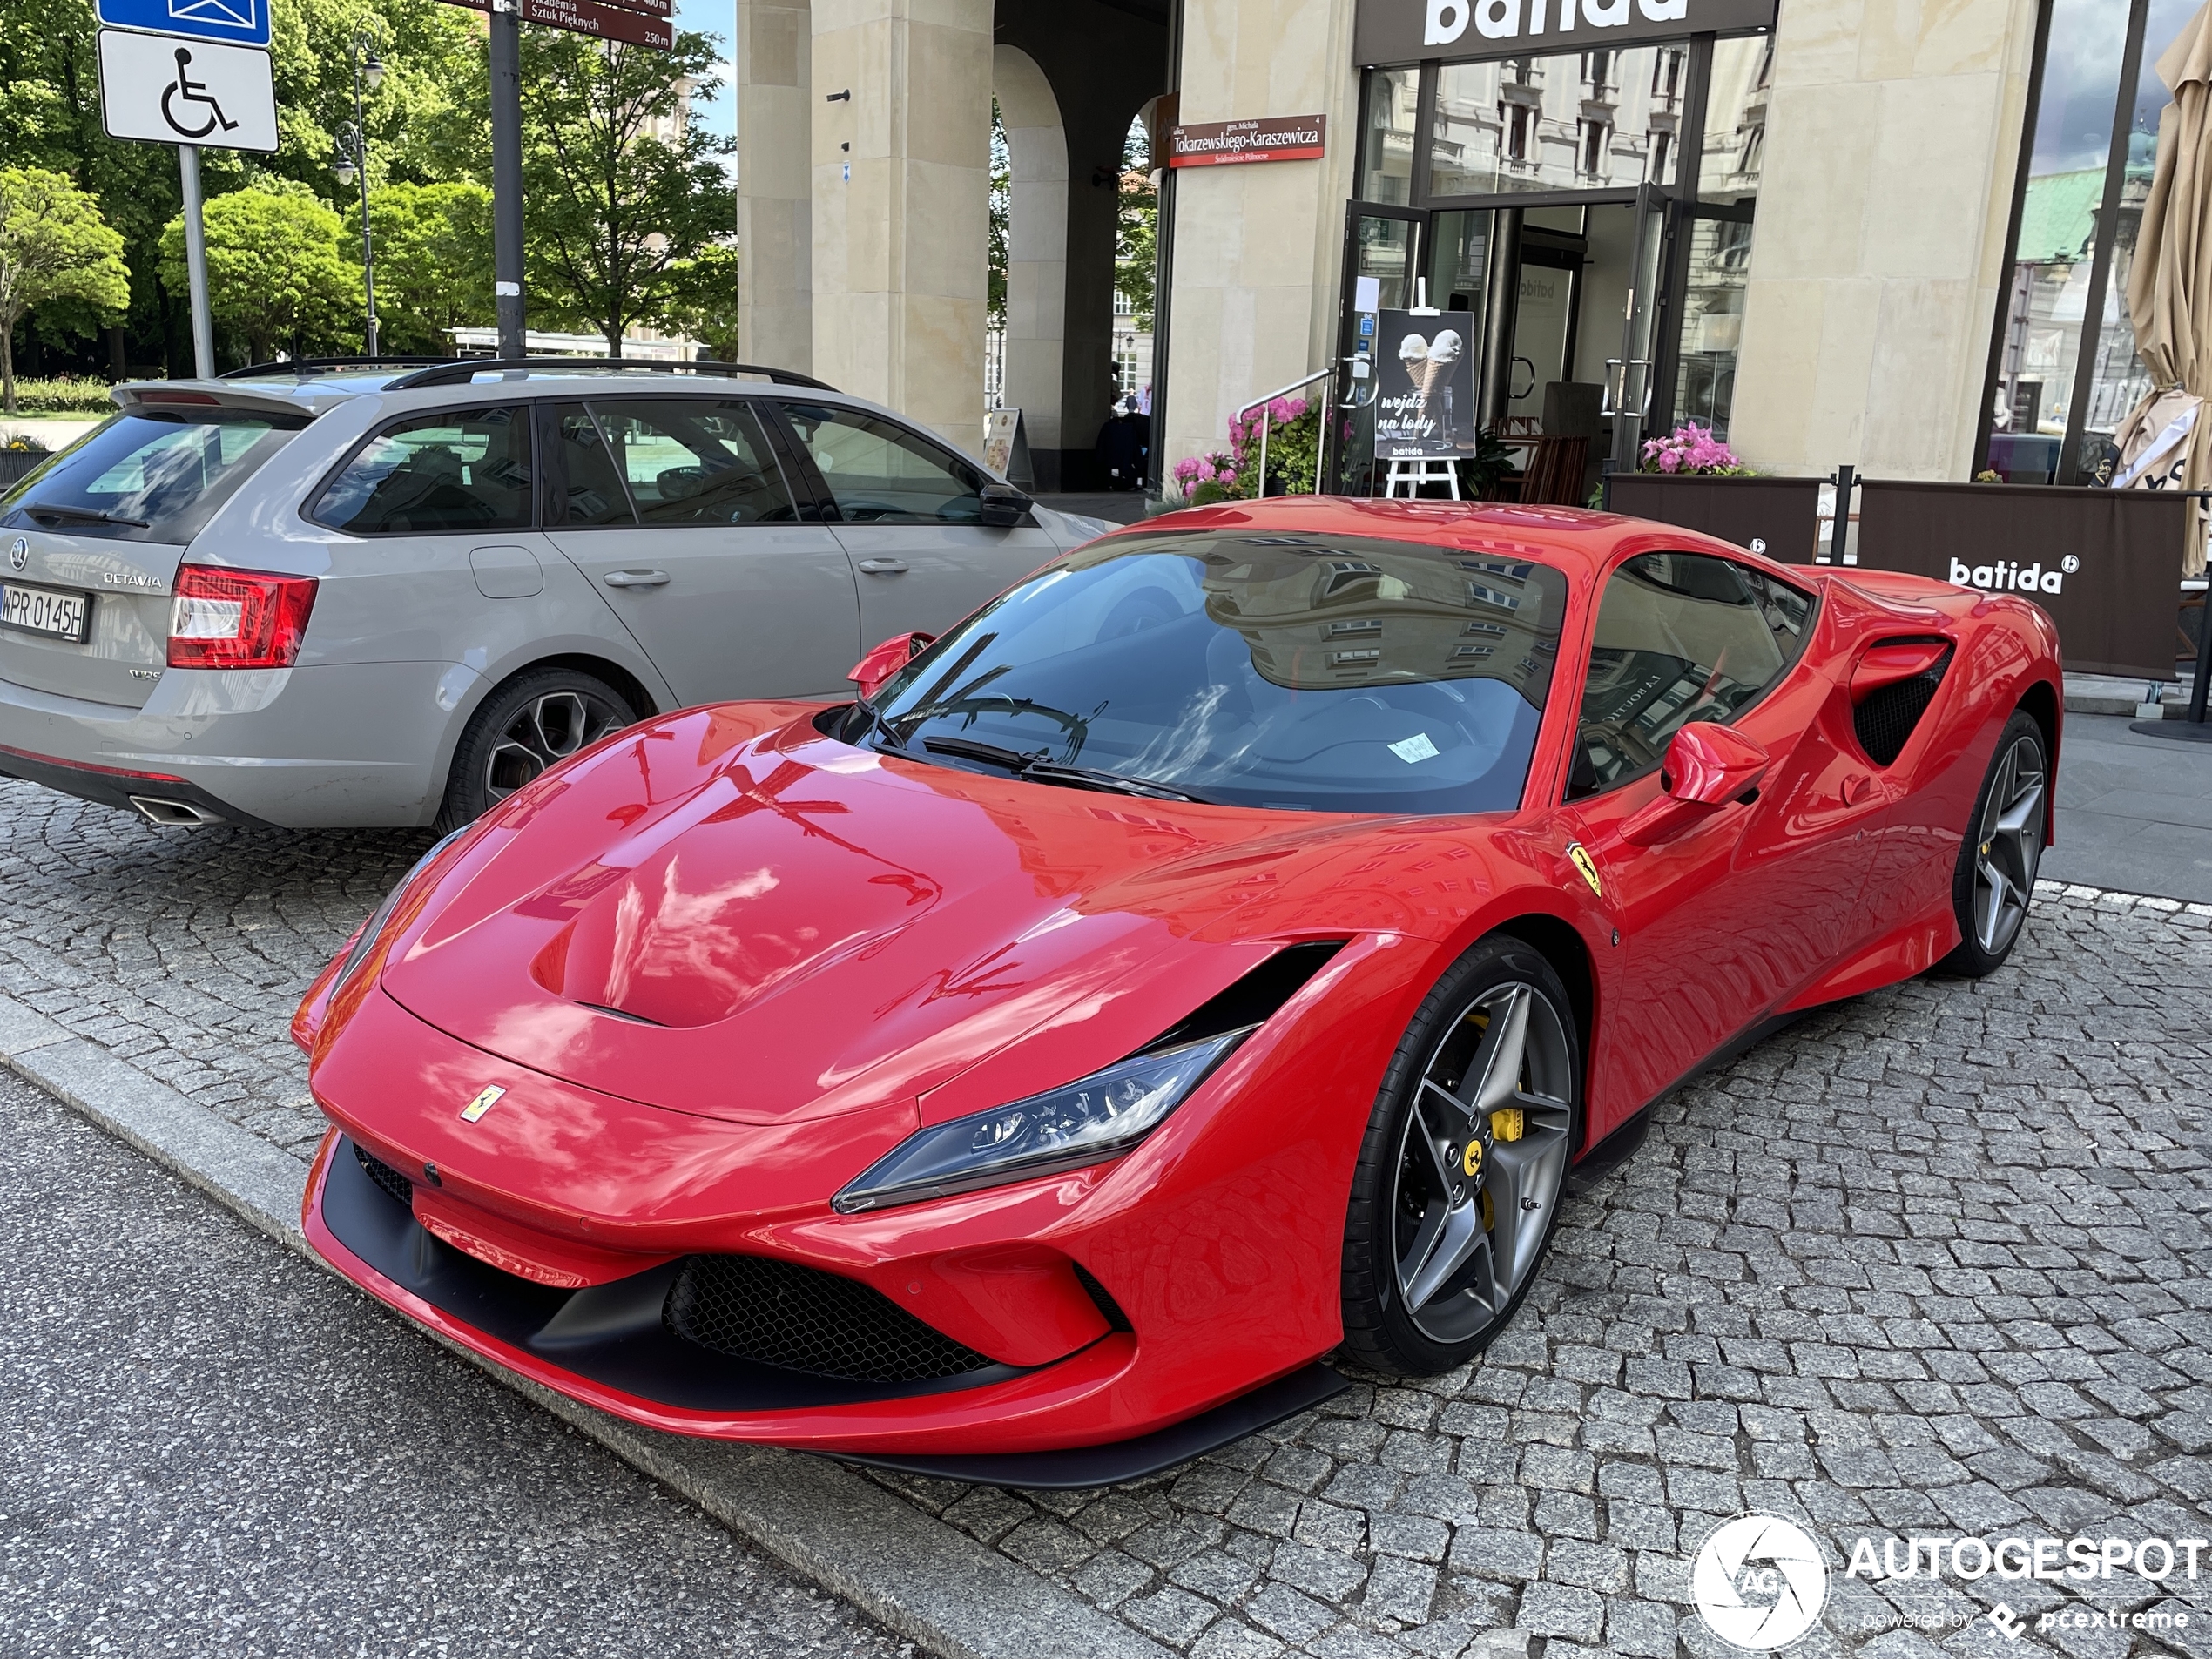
<point>191,92</point>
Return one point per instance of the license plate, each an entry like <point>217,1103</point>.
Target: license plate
<point>48,611</point>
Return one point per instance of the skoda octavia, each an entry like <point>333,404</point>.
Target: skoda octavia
<point>354,595</point>
<point>1215,952</point>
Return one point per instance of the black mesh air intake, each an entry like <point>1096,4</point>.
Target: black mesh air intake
<point>395,1184</point>
<point>781,1313</point>
<point>1885,722</point>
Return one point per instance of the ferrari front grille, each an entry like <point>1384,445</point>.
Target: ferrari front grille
<point>781,1313</point>
<point>395,1184</point>
<point>1886,721</point>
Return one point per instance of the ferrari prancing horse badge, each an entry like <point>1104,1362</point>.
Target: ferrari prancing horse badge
<point>485,1099</point>
<point>1587,865</point>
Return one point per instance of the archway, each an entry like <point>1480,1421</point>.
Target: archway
<point>1036,265</point>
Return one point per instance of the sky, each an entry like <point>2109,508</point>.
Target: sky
<point>718,18</point>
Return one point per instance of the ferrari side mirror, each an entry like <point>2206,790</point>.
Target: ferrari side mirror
<point>1707,767</point>
<point>1002,506</point>
<point>886,659</point>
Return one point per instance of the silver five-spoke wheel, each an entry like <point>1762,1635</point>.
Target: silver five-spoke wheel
<point>2010,844</point>
<point>1463,1167</point>
<point>1482,1161</point>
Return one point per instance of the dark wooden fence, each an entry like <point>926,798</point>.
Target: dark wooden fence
<point>1779,518</point>
<point>2105,563</point>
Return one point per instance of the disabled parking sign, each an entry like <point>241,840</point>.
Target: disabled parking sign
<point>241,22</point>
<point>163,88</point>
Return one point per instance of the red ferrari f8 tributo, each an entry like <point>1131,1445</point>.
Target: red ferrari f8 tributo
<point>1215,952</point>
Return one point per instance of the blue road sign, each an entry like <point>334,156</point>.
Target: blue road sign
<point>243,23</point>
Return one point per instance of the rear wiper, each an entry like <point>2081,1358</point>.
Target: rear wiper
<point>1035,768</point>
<point>91,515</point>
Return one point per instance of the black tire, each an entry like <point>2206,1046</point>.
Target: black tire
<point>1431,1270</point>
<point>542,716</point>
<point>1994,882</point>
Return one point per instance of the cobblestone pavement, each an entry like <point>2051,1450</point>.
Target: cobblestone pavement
<point>1932,1263</point>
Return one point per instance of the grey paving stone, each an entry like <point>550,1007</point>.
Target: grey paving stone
<point>1936,1259</point>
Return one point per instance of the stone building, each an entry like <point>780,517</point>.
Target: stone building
<point>1889,232</point>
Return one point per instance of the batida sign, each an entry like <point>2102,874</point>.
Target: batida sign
<point>1406,31</point>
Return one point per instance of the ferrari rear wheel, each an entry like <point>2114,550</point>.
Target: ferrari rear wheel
<point>1464,1166</point>
<point>1995,878</point>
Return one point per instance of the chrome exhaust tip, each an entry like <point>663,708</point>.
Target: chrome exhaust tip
<point>173,814</point>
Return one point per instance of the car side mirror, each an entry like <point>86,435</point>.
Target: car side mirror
<point>886,659</point>
<point>1002,506</point>
<point>1707,767</point>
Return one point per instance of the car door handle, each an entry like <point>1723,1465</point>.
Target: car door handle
<point>1857,790</point>
<point>883,567</point>
<point>635,578</point>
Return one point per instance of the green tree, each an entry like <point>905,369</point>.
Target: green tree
<point>703,299</point>
<point>275,271</point>
<point>433,262</point>
<point>55,251</point>
<point>1136,229</point>
<point>624,187</point>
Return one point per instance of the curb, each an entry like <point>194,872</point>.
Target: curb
<point>907,1570</point>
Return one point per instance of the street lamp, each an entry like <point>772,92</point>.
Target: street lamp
<point>351,162</point>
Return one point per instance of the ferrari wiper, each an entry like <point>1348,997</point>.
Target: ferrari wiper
<point>875,719</point>
<point>1036,769</point>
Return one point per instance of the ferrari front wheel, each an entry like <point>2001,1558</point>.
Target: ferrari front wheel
<point>1463,1164</point>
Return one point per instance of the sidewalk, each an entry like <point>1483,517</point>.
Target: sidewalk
<point>2134,813</point>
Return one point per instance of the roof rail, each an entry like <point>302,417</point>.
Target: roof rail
<point>326,366</point>
<point>460,370</point>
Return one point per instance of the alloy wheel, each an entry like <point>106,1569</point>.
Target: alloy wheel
<point>2009,846</point>
<point>545,730</point>
<point>1482,1161</point>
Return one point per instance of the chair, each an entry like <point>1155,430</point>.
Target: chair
<point>1554,474</point>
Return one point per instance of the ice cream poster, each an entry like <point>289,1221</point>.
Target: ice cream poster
<point>1425,406</point>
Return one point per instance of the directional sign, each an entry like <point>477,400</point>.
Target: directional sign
<point>624,21</point>
<point>162,90</point>
<point>242,22</point>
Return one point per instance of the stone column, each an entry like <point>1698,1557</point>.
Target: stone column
<point>1259,247</point>
<point>901,219</point>
<point>775,238</point>
<point>1036,261</point>
<point>1877,256</point>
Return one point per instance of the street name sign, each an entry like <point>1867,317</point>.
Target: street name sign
<point>624,23</point>
<point>160,89</point>
<point>241,22</point>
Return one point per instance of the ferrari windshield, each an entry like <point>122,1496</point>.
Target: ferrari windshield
<point>1304,672</point>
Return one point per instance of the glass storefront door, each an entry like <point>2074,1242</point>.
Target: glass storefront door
<point>1588,212</point>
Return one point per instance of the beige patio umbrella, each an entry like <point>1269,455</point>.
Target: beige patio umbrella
<point>2169,286</point>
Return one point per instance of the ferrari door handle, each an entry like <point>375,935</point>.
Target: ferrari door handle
<point>635,578</point>
<point>883,567</point>
<point>1857,790</point>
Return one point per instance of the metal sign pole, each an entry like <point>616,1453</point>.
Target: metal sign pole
<point>203,331</point>
<point>507,176</point>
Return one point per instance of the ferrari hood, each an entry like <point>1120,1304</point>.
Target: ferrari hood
<point>765,928</point>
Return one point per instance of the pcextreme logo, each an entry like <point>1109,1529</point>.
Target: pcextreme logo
<point>1759,1582</point>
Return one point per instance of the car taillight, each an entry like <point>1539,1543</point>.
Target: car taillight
<point>237,618</point>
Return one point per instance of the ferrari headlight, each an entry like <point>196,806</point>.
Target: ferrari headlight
<point>1064,1128</point>
<point>366,940</point>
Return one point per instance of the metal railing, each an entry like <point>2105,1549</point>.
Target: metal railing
<point>1264,404</point>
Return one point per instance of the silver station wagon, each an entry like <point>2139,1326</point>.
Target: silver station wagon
<point>359,597</point>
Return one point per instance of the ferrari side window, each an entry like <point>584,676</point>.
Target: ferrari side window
<point>1681,636</point>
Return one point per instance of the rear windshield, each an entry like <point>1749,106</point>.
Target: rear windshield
<point>147,477</point>
<point>1313,672</point>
